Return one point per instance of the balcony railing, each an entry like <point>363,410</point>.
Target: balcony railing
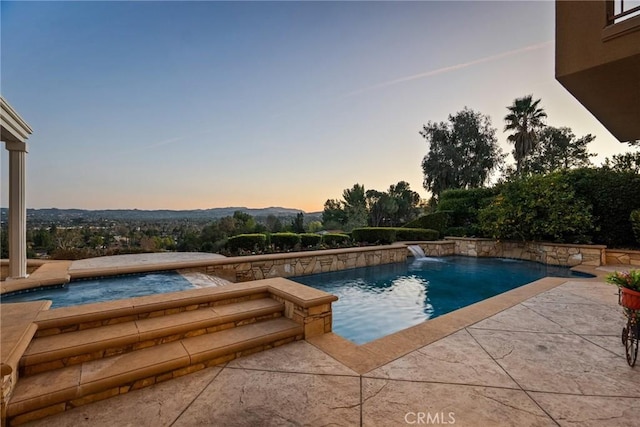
<point>620,10</point>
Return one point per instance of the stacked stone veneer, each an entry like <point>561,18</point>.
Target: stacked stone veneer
<point>436,248</point>
<point>546,253</point>
<point>257,267</point>
<point>626,257</point>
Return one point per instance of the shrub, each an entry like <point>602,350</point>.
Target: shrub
<point>336,239</point>
<point>635,224</point>
<point>247,242</point>
<point>463,206</point>
<point>380,235</point>
<point>613,195</point>
<point>284,241</point>
<point>538,208</point>
<point>308,240</point>
<point>416,234</point>
<point>71,253</point>
<point>456,232</point>
<point>433,221</point>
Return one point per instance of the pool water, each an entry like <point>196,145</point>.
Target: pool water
<point>377,301</point>
<point>106,289</point>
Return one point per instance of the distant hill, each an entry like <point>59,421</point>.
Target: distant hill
<point>64,215</point>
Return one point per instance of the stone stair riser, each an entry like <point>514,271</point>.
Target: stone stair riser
<point>44,331</point>
<point>33,369</point>
<point>144,382</point>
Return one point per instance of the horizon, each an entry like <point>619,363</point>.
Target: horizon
<point>176,106</point>
<point>177,210</point>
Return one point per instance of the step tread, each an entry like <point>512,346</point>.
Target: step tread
<point>223,313</point>
<point>60,385</point>
<point>53,347</point>
<point>208,346</point>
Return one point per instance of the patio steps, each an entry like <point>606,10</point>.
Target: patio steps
<point>69,369</point>
<point>57,351</point>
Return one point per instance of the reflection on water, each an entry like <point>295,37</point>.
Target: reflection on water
<point>376,301</point>
<point>106,289</point>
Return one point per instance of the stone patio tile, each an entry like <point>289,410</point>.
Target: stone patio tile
<point>239,397</point>
<point>560,363</point>
<point>590,319</point>
<point>590,411</point>
<point>519,318</point>
<point>454,359</point>
<point>299,356</point>
<point>568,296</point>
<point>597,292</point>
<point>157,405</point>
<point>613,343</point>
<point>395,403</point>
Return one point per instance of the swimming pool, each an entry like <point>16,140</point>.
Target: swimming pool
<point>377,301</point>
<point>106,289</point>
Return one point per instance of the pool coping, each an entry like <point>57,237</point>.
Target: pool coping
<point>366,357</point>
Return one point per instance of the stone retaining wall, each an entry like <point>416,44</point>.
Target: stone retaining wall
<point>627,257</point>
<point>257,267</point>
<point>546,253</point>
<point>435,248</point>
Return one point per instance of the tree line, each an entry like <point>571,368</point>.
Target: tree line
<point>359,207</point>
<point>89,238</point>
<point>463,152</point>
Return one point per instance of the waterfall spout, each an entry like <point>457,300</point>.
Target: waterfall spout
<point>417,251</point>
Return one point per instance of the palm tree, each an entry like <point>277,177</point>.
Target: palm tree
<point>525,118</point>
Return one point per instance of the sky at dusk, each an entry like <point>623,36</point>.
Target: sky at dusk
<point>194,105</point>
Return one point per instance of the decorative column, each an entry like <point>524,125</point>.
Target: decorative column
<point>17,210</point>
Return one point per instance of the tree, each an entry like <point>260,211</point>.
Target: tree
<point>558,149</point>
<point>244,222</point>
<point>355,207</point>
<point>381,206</point>
<point>333,215</point>
<point>297,225</point>
<point>462,153</point>
<point>314,226</point>
<point>626,162</point>
<point>407,201</point>
<point>274,225</point>
<point>525,118</point>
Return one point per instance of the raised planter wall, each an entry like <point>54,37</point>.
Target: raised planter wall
<point>546,253</point>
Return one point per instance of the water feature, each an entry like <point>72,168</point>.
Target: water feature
<point>417,251</point>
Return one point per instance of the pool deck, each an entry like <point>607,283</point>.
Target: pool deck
<point>548,353</point>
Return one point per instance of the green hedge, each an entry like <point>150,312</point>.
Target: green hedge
<point>336,239</point>
<point>612,195</point>
<point>463,206</point>
<point>417,234</point>
<point>635,224</point>
<point>386,235</point>
<point>308,240</point>
<point>284,241</point>
<point>538,208</point>
<point>471,230</point>
<point>433,221</point>
<point>247,242</point>
<point>380,235</point>
<point>457,232</point>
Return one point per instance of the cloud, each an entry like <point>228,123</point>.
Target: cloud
<point>451,68</point>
